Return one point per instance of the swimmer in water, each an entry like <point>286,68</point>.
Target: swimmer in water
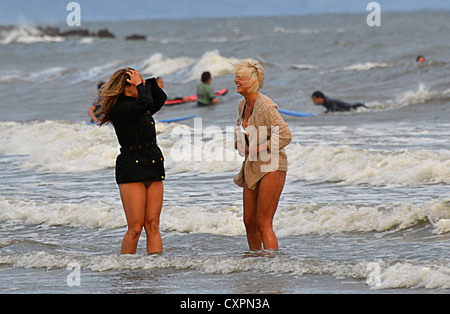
<point>420,59</point>
<point>333,105</point>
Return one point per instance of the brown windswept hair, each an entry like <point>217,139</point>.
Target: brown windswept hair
<point>111,91</point>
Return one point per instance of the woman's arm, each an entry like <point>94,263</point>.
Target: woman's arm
<point>158,95</point>
<point>280,133</point>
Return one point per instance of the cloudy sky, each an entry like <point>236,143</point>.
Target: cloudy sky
<point>53,11</point>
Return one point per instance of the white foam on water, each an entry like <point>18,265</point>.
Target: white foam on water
<point>409,274</point>
<point>86,215</point>
<point>213,62</point>
<point>58,146</point>
<point>303,219</point>
<point>300,219</point>
<point>366,66</point>
<point>351,165</point>
<point>159,65</point>
<point>378,275</point>
<point>61,146</point>
<point>26,34</point>
<point>408,98</point>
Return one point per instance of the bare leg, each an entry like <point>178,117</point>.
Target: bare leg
<point>270,188</point>
<point>250,221</point>
<point>133,197</point>
<point>155,193</point>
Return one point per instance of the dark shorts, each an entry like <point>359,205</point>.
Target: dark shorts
<point>144,165</point>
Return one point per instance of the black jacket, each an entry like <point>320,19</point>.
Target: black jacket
<point>140,158</point>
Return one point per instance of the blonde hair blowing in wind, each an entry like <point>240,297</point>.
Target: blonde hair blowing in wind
<point>252,71</point>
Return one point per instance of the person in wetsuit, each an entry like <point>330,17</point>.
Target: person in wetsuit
<point>333,105</point>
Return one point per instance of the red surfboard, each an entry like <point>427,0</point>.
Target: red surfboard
<point>194,98</point>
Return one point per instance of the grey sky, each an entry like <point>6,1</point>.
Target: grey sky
<point>52,11</point>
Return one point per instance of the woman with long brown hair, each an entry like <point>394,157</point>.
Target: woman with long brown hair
<point>129,102</point>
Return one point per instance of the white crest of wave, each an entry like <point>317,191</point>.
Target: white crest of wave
<point>58,146</point>
<point>190,68</point>
<point>378,275</point>
<point>303,66</point>
<point>366,66</point>
<point>213,62</point>
<point>293,220</point>
<point>159,65</point>
<point>305,219</point>
<point>61,146</point>
<point>27,35</point>
<point>410,97</point>
<point>398,275</point>
<point>103,71</point>
<point>44,75</point>
<point>85,215</point>
<point>361,166</point>
<point>281,29</point>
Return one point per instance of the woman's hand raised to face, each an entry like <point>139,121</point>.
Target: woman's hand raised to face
<point>135,77</point>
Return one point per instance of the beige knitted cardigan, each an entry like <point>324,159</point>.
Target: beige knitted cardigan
<point>265,125</point>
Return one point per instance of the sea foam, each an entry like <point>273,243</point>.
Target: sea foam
<point>291,220</point>
<point>61,147</point>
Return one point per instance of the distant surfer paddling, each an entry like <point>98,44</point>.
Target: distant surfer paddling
<point>333,105</point>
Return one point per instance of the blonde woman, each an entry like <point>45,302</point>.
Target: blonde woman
<point>261,137</point>
<point>129,102</point>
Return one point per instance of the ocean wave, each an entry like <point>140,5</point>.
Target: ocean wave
<point>351,165</point>
<point>213,62</point>
<point>299,66</point>
<point>26,35</point>
<point>378,275</point>
<point>64,147</point>
<point>365,66</point>
<point>182,69</point>
<point>411,97</point>
<point>100,72</point>
<point>334,218</point>
<point>286,30</point>
<point>159,65</point>
<point>86,215</point>
<point>360,66</point>
<point>45,75</point>
<point>292,220</point>
<point>55,146</point>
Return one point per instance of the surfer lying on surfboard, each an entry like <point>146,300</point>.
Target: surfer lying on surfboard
<point>333,105</point>
<point>186,99</point>
<point>180,100</point>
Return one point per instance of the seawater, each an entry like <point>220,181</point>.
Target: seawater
<point>366,206</point>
